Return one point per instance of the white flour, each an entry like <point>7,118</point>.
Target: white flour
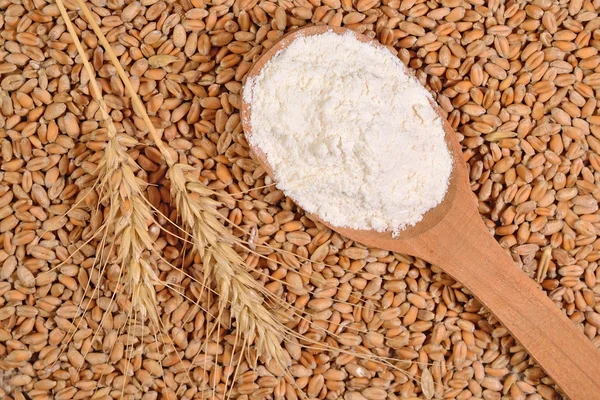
<point>350,136</point>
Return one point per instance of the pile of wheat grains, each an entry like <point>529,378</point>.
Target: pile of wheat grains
<point>517,80</point>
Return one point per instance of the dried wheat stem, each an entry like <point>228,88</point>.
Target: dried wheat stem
<point>138,106</point>
<point>122,191</point>
<point>94,89</point>
<point>235,285</point>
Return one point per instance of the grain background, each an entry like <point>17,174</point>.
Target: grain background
<point>518,81</point>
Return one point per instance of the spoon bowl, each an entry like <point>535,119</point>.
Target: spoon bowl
<point>454,237</point>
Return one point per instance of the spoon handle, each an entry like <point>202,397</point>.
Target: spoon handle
<point>473,257</point>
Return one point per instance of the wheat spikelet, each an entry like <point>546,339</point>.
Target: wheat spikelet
<point>236,287</point>
<point>122,193</point>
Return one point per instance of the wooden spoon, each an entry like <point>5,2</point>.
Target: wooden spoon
<point>453,237</point>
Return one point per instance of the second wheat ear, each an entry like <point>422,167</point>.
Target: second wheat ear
<point>235,286</point>
<point>211,239</point>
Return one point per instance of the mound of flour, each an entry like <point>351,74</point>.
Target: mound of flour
<point>351,137</point>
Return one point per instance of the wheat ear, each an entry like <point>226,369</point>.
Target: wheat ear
<point>199,214</point>
<point>211,239</point>
<point>122,192</point>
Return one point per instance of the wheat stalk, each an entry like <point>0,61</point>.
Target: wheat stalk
<point>122,193</point>
<point>211,239</point>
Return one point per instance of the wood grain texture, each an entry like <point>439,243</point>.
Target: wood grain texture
<point>453,237</point>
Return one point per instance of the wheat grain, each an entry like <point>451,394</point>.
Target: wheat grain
<point>553,143</point>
